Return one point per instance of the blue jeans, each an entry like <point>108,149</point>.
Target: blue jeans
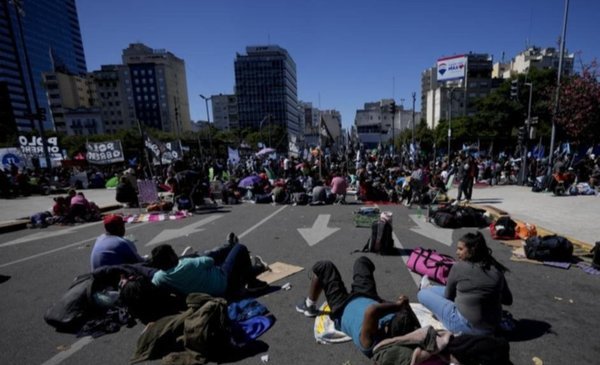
<point>446,312</point>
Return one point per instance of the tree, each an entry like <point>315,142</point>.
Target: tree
<point>579,106</point>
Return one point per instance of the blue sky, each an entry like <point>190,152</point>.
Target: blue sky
<point>347,52</point>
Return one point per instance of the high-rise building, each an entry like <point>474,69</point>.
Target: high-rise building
<point>376,124</point>
<point>534,57</point>
<point>66,91</point>
<point>111,98</point>
<point>453,97</point>
<point>265,86</point>
<point>36,37</point>
<point>157,88</point>
<point>225,111</point>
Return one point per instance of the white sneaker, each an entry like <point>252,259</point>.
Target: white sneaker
<point>425,283</point>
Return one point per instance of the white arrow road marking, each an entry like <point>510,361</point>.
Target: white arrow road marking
<point>442,235</point>
<point>318,231</point>
<point>169,234</point>
<point>44,234</point>
<point>61,356</point>
<point>416,277</point>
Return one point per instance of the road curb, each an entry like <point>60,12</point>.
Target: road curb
<point>21,223</point>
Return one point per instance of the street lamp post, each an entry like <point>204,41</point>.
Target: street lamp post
<point>527,130</point>
<point>450,99</point>
<point>414,96</point>
<point>206,99</point>
<point>557,95</point>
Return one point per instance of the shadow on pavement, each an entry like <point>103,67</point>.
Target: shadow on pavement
<point>4,278</point>
<point>252,349</point>
<point>529,329</point>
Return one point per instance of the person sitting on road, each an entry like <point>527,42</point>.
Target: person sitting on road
<point>126,193</point>
<point>339,187</point>
<point>319,194</point>
<point>111,248</point>
<point>225,272</point>
<point>361,314</point>
<point>471,302</point>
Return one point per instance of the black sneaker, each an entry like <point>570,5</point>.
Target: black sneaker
<point>306,310</point>
<point>256,285</point>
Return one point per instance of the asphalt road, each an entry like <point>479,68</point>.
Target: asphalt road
<point>556,309</point>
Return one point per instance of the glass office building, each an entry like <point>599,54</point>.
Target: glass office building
<point>265,85</point>
<point>50,32</point>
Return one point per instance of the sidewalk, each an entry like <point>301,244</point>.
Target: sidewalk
<point>572,216</point>
<point>15,213</point>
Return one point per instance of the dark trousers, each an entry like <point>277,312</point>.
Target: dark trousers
<point>234,260</point>
<point>363,283</point>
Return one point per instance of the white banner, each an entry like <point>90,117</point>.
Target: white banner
<point>34,147</point>
<point>102,153</point>
<point>451,68</point>
<point>234,155</point>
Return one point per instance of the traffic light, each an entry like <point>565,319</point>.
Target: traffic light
<point>514,89</point>
<point>41,114</point>
<point>521,135</point>
<point>393,108</point>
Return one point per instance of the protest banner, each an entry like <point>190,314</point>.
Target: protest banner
<point>104,153</point>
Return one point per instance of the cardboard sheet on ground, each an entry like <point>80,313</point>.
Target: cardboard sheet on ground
<point>279,270</point>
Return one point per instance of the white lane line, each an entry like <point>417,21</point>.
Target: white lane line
<point>43,235</point>
<point>63,355</point>
<point>246,232</point>
<point>416,277</point>
<point>45,253</point>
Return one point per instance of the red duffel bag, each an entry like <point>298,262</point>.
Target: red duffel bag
<point>430,263</point>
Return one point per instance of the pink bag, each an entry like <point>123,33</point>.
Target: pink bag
<point>430,263</point>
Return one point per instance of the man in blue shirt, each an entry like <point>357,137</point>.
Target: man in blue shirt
<point>111,248</point>
<point>361,314</point>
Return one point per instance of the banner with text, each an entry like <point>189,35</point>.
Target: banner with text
<point>451,68</point>
<point>166,152</point>
<point>34,147</point>
<point>103,153</point>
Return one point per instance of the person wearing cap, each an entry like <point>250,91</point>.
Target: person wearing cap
<point>360,313</point>
<point>111,248</point>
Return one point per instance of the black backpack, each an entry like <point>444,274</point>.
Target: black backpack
<point>504,228</point>
<point>381,240</point>
<point>549,248</point>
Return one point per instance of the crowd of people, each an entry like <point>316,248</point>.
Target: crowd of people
<point>470,305</point>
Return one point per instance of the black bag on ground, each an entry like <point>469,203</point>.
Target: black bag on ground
<point>596,259</point>
<point>504,228</point>
<point>381,240</point>
<point>549,248</point>
<point>74,307</point>
<point>444,220</point>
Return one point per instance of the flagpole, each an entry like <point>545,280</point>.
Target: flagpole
<point>145,153</point>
